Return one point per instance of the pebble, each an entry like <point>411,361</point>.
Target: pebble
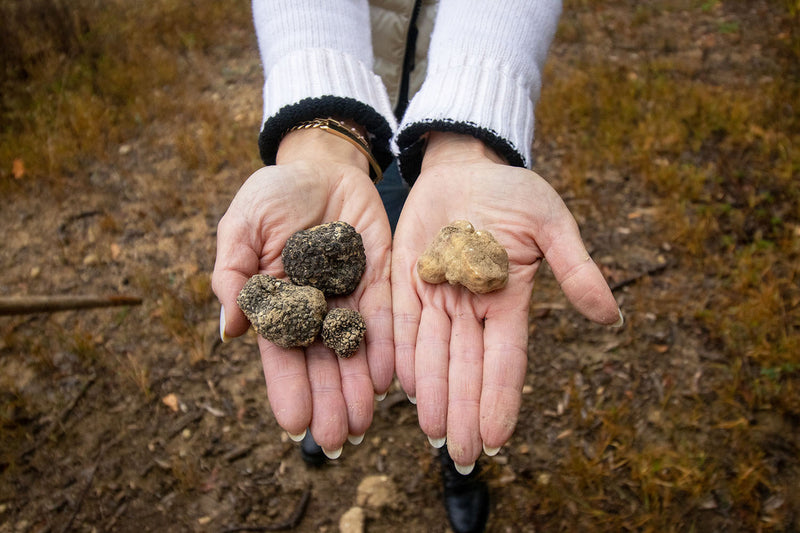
<point>352,521</point>
<point>377,492</point>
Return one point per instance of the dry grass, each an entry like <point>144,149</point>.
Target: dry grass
<point>721,164</point>
<point>80,78</point>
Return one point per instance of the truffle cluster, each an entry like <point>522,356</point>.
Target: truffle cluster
<point>342,331</point>
<point>461,255</point>
<point>326,260</point>
<point>329,257</point>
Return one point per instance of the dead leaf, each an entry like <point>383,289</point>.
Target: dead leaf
<point>115,251</point>
<point>18,168</point>
<point>171,401</point>
<point>564,434</point>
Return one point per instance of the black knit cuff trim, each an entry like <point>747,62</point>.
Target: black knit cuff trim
<point>412,144</point>
<point>379,130</point>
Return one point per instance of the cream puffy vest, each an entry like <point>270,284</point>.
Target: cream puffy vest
<point>394,25</point>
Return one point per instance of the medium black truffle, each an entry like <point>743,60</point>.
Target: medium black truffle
<point>329,257</point>
<point>343,330</point>
<point>283,313</point>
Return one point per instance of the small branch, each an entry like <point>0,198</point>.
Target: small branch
<point>62,418</point>
<point>21,305</point>
<point>86,487</point>
<point>290,523</point>
<point>633,279</point>
<point>185,421</point>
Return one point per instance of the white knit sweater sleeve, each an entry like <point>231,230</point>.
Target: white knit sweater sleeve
<point>317,59</point>
<point>484,76</point>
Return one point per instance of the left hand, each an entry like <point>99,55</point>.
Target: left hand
<point>463,355</point>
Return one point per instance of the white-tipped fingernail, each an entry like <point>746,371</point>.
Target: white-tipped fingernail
<point>332,454</point>
<point>222,334</point>
<point>412,399</point>
<point>355,440</point>
<point>381,397</point>
<point>620,322</point>
<point>491,452</point>
<point>465,469</point>
<point>437,443</point>
<point>298,437</point>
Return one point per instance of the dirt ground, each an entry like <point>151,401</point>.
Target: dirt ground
<point>139,419</point>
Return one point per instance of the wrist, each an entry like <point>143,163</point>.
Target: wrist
<point>317,144</point>
<point>448,147</point>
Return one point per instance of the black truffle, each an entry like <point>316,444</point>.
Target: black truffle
<point>283,313</point>
<point>329,257</point>
<point>342,331</point>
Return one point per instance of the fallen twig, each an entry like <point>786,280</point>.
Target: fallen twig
<point>22,305</point>
<point>86,487</point>
<point>185,421</point>
<point>62,417</point>
<point>636,277</point>
<point>290,523</point>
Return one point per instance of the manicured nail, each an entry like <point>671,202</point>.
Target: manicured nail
<point>381,397</point>
<point>464,470</point>
<point>297,438</point>
<point>620,322</point>
<point>491,452</point>
<point>332,454</point>
<point>412,399</point>
<point>222,335</point>
<point>437,443</point>
<point>355,440</point>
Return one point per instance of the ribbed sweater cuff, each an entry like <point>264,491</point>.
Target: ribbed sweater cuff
<point>474,98</point>
<point>315,83</point>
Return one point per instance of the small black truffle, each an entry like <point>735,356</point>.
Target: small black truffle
<point>288,315</point>
<point>329,257</point>
<point>342,331</point>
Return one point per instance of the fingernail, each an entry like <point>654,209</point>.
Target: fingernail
<point>464,470</point>
<point>355,440</point>
<point>222,335</point>
<point>620,322</point>
<point>381,397</point>
<point>491,452</point>
<point>332,454</point>
<point>297,438</point>
<point>412,399</point>
<point>437,443</point>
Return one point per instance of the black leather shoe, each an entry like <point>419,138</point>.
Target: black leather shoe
<point>311,452</point>
<point>466,498</point>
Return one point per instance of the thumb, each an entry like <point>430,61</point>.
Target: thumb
<point>236,261</point>
<point>578,275</point>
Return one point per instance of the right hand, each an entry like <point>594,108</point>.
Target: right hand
<point>318,178</point>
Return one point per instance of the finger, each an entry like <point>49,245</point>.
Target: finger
<point>579,277</point>
<point>288,389</point>
<point>407,312</point>
<point>431,370</point>
<point>464,388</point>
<point>358,392</point>
<point>329,412</point>
<point>505,340</point>
<point>236,261</point>
<point>375,306</point>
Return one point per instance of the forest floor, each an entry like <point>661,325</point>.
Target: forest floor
<point>139,419</point>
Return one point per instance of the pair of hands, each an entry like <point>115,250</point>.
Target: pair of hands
<point>462,357</point>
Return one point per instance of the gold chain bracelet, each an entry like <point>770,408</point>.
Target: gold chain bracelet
<point>347,133</point>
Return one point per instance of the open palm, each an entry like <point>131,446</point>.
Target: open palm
<point>463,356</point>
<point>331,396</point>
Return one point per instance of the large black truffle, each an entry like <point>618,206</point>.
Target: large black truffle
<point>329,257</point>
<point>286,314</point>
<point>342,331</point>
